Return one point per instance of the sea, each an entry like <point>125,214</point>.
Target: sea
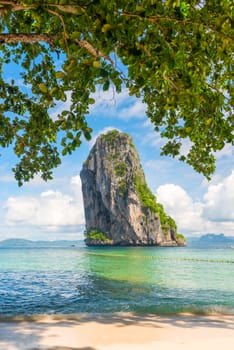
<point>73,279</point>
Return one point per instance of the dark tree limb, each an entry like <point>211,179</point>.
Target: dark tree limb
<point>27,38</point>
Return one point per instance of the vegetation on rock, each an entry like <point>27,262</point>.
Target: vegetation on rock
<point>111,136</point>
<point>121,169</point>
<point>149,201</point>
<point>117,165</point>
<point>178,59</point>
<point>96,235</point>
<point>180,237</point>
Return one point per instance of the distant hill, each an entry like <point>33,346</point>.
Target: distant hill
<point>211,240</point>
<point>25,243</point>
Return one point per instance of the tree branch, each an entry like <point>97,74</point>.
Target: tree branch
<point>96,53</point>
<point>16,6</point>
<point>49,38</point>
<point>171,82</point>
<point>19,7</point>
<point>64,27</point>
<point>66,8</point>
<point>27,38</point>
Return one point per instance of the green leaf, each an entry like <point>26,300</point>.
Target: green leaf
<point>60,75</point>
<point>106,27</point>
<point>43,88</point>
<point>91,101</point>
<point>96,64</point>
<point>140,9</point>
<point>106,85</point>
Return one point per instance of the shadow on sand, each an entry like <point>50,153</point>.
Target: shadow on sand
<point>30,333</point>
<point>64,348</point>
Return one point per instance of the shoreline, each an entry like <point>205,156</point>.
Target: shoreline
<point>96,315</point>
<point>117,331</point>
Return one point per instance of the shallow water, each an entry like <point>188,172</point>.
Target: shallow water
<point>81,279</point>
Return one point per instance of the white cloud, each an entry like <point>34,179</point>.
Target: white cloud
<point>217,178</point>
<point>108,103</point>
<point>61,106</point>
<point>136,110</point>
<point>38,182</point>
<point>148,124</point>
<point>219,200</point>
<point>153,139</point>
<point>179,205</point>
<point>7,178</point>
<point>76,182</point>
<point>214,213</point>
<point>162,166</point>
<point>20,209</point>
<point>227,151</point>
<point>50,211</point>
<point>185,147</point>
<point>121,105</point>
<point>76,188</point>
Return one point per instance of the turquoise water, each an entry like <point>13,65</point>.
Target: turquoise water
<point>81,279</point>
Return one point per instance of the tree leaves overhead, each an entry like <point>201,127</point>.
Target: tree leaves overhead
<point>178,56</point>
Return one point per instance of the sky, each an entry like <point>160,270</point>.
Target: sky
<point>54,210</point>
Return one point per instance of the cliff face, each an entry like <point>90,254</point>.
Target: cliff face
<point>119,207</point>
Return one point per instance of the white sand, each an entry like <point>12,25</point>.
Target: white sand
<point>118,332</point>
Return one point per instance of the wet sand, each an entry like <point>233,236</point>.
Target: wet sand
<point>118,332</point>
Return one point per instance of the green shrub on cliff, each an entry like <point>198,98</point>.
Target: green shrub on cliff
<point>180,237</point>
<point>116,163</point>
<point>110,136</point>
<point>148,200</point>
<point>96,235</point>
<point>121,169</point>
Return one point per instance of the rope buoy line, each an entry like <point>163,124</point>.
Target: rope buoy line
<point>162,258</point>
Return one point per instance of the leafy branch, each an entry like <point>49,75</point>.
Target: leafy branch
<point>177,58</point>
<point>175,20</point>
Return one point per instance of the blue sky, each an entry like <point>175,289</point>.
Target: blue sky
<point>54,210</point>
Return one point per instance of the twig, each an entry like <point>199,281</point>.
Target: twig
<point>96,53</point>
<point>63,25</point>
<point>171,82</point>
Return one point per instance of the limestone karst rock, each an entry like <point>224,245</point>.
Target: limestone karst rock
<point>119,207</point>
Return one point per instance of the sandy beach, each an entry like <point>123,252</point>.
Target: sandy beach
<point>118,331</point>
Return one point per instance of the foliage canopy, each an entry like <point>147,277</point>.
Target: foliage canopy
<point>178,56</point>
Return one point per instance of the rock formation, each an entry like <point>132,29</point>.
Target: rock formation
<point>119,207</point>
